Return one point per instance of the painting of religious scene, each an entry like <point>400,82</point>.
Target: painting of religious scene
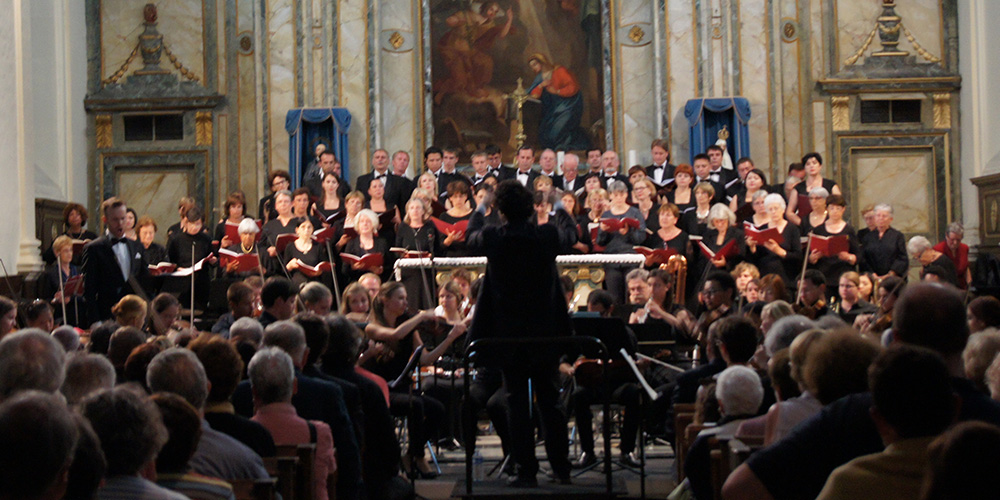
<point>479,50</point>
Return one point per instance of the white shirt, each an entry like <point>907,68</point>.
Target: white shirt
<point>120,250</point>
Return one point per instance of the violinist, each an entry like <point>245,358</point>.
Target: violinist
<point>851,304</point>
<point>889,289</point>
<point>812,295</point>
<point>717,297</point>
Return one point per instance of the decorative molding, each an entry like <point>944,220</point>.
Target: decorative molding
<point>789,30</point>
<point>103,132</point>
<point>636,34</point>
<point>244,41</point>
<point>203,128</point>
<point>841,113</point>
<point>396,40</point>
<point>942,110</point>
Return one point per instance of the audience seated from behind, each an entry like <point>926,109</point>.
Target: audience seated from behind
<point>173,470</point>
<point>224,369</point>
<point>131,433</point>
<point>962,463</point>
<point>272,379</point>
<point>30,360</point>
<point>179,371</point>
<point>39,435</point>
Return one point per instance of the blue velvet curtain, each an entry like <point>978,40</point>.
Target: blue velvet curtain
<point>706,117</point>
<point>308,126</point>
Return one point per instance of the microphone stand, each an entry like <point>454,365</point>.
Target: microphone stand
<point>423,276</point>
<point>298,301</point>
<point>62,290</point>
<point>192,287</point>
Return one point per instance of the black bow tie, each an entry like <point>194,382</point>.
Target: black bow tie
<point>379,176</point>
<point>115,241</point>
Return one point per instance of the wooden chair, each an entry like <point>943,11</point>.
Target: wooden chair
<point>684,441</point>
<point>305,471</point>
<point>284,470</point>
<point>719,468</point>
<point>254,489</point>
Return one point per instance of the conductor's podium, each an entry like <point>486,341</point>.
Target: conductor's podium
<point>586,271</point>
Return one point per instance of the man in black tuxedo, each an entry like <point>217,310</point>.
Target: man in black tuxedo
<point>481,168</point>
<point>610,172</point>
<point>394,186</point>
<point>661,172</point>
<point>311,175</point>
<point>743,167</point>
<point>521,296</point>
<point>719,174</point>
<point>703,173</point>
<point>112,264</point>
<point>400,162</point>
<point>494,159</point>
<point>523,172</point>
<point>571,180</point>
<point>449,171</point>
<point>594,156</point>
<point>328,165</point>
<point>547,162</point>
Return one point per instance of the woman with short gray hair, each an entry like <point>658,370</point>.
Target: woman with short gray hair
<point>957,251</point>
<point>723,238</point>
<point>934,262</point>
<point>620,239</point>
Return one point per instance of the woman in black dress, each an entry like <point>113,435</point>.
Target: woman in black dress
<point>282,223</point>
<point>247,244</point>
<point>54,283</point>
<point>695,219</point>
<point>754,182</point>
<point>367,242</point>
<point>304,252</point>
<point>682,194</point>
<point>279,180</point>
<point>378,204</point>
<point>453,244</point>
<point>643,192</point>
<point>834,266</point>
<point>235,210</point>
<point>817,210</point>
<point>575,211</point>
<point>417,233</point>
<point>668,235</point>
<point>770,257</point>
<point>74,220</point>
<point>329,202</point>
<point>813,163</point>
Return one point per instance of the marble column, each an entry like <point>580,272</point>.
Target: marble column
<point>18,203</point>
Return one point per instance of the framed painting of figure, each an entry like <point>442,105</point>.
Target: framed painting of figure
<point>479,50</point>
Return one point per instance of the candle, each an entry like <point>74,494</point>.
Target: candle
<point>632,160</point>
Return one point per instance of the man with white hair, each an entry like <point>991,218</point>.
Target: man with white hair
<point>179,371</point>
<point>571,181</point>
<point>883,250</point>
<point>740,394</point>
<point>272,379</point>
<point>920,249</point>
<point>30,360</point>
<point>314,399</point>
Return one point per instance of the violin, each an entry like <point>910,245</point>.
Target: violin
<point>811,312</point>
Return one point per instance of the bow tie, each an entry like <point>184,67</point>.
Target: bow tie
<point>115,241</point>
<point>657,167</point>
<point>379,176</point>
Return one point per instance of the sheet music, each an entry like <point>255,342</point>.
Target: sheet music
<point>642,380</point>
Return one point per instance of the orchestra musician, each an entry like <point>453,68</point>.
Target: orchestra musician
<point>889,289</point>
<point>717,297</point>
<point>812,295</point>
<point>851,305</point>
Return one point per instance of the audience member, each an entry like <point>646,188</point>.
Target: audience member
<point>984,313</point>
<point>172,463</point>
<point>272,379</point>
<point>224,369</point>
<point>68,338</point>
<point>178,371</point>
<point>30,360</point>
<point>131,433</point>
<point>37,439</point>
<point>912,402</point>
<point>979,353</point>
<point>962,463</point>
<point>38,314</point>
<point>86,374</point>
<point>278,298</point>
<point>136,365</point>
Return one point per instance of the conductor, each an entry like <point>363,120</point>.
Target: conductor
<point>521,297</point>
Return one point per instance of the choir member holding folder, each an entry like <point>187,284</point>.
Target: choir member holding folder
<point>622,227</point>
<point>304,257</point>
<point>242,259</point>
<point>777,247</point>
<point>187,248</point>
<point>668,236</point>
<point>368,242</point>
<point>721,244</point>
<point>330,206</point>
<point>235,209</point>
<point>834,244</point>
<point>417,234</point>
<point>682,195</point>
<point>283,223</point>
<point>452,234</point>
<point>798,206</point>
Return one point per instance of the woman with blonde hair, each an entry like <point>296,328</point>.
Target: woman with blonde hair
<point>356,303</point>
<point>130,311</point>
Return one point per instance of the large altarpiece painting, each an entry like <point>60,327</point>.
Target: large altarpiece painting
<point>480,49</point>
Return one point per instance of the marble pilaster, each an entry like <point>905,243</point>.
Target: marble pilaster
<point>353,74</point>
<point>681,74</point>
